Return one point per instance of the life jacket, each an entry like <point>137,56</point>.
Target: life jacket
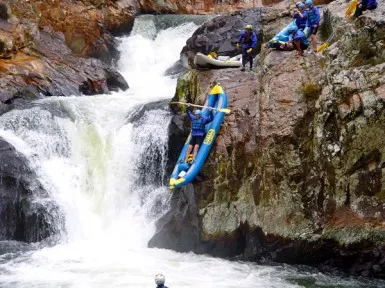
<point>313,16</point>
<point>371,4</point>
<point>247,38</point>
<point>198,127</point>
<point>301,22</point>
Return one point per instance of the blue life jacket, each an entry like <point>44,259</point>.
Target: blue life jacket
<point>301,22</point>
<point>248,40</point>
<point>161,286</point>
<point>198,126</point>
<point>313,16</point>
<point>371,4</point>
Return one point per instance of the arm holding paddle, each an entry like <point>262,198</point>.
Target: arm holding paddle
<point>224,110</point>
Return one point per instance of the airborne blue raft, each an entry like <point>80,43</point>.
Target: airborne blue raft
<point>216,99</point>
<point>283,36</point>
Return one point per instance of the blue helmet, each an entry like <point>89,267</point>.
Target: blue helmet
<point>198,112</point>
<point>302,6</point>
<point>309,2</point>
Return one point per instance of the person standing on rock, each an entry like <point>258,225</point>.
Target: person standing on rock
<point>248,40</point>
<point>300,16</point>
<point>198,131</point>
<point>159,281</point>
<point>313,19</point>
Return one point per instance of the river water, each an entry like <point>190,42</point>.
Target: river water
<point>88,157</point>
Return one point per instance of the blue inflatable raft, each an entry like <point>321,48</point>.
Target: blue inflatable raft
<point>283,36</point>
<point>183,172</point>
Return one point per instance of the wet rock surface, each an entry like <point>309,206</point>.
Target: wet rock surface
<point>26,210</point>
<point>178,229</point>
<point>297,169</point>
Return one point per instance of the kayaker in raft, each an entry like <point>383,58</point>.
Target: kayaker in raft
<point>248,40</point>
<point>159,281</point>
<point>198,131</point>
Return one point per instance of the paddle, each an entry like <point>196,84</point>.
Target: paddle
<point>326,44</point>
<point>351,8</point>
<point>224,110</point>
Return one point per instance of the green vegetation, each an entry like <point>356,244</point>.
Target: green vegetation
<point>310,90</point>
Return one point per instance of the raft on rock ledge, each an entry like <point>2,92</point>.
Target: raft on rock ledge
<point>218,100</point>
<point>221,62</point>
<point>282,37</point>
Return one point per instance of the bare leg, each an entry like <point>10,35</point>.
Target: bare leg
<point>314,42</point>
<point>196,148</point>
<point>189,149</point>
<point>298,46</point>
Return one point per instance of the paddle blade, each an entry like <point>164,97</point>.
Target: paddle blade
<point>351,8</point>
<point>224,110</point>
<point>322,47</point>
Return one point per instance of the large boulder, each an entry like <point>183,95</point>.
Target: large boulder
<point>222,33</point>
<point>178,229</point>
<point>87,25</point>
<point>43,65</point>
<point>26,211</point>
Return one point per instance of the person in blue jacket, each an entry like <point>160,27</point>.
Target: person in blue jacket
<point>198,131</point>
<point>159,281</point>
<point>300,16</point>
<point>298,40</point>
<point>313,19</point>
<point>248,40</point>
<point>365,5</point>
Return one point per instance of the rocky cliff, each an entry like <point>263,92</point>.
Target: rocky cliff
<point>296,174</point>
<point>60,47</point>
<point>194,6</point>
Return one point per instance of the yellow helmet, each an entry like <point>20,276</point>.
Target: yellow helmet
<point>249,27</point>
<point>213,54</point>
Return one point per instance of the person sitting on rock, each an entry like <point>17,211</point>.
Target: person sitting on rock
<point>365,5</point>
<point>159,281</point>
<point>198,131</point>
<point>248,39</point>
<point>300,16</point>
<point>298,40</point>
<point>313,18</point>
